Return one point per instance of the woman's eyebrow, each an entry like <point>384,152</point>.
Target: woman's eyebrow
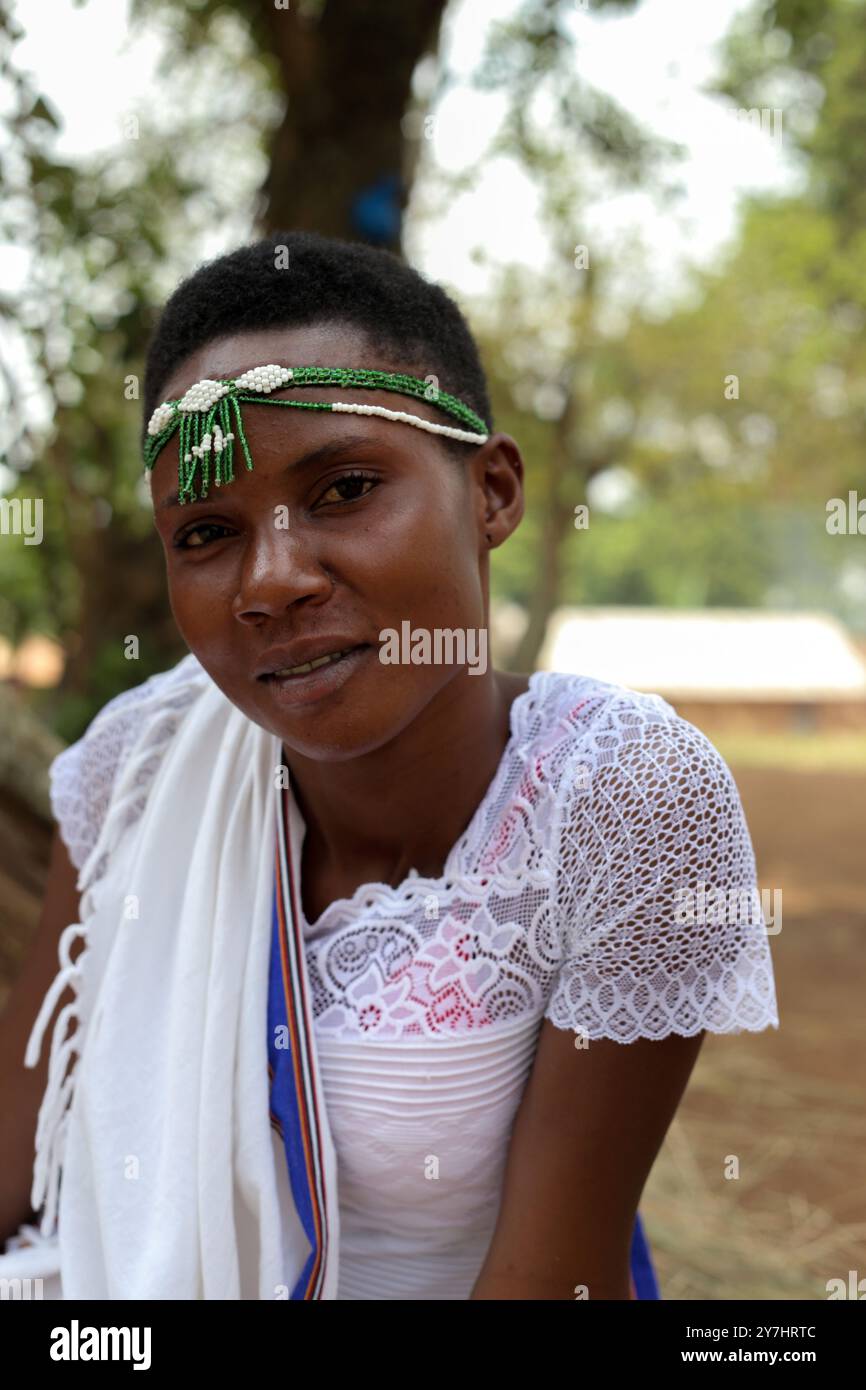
<point>342,444</point>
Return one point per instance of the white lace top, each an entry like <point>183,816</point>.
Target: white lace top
<point>606,882</point>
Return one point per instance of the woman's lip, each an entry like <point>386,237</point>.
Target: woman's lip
<point>273,675</point>
<point>324,680</point>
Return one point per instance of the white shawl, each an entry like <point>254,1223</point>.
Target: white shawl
<point>174,1183</point>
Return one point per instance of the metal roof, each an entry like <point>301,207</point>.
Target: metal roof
<point>724,653</point>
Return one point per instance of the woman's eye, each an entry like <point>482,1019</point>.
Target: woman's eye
<point>352,482</point>
<point>347,483</point>
<point>182,543</point>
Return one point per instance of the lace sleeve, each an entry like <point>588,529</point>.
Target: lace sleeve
<point>82,777</point>
<point>660,916</point>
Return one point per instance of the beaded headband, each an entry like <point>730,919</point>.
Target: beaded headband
<point>204,415</point>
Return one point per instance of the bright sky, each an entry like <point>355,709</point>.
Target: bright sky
<point>653,62</point>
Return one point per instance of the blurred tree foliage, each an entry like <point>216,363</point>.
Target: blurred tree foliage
<point>693,496</point>
<point>708,443</point>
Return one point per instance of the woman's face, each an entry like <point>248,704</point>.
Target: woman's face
<point>294,551</point>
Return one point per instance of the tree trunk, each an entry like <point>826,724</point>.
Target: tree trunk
<point>338,161</point>
<point>556,524</point>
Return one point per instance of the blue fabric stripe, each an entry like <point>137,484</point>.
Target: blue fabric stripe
<point>642,1272</point>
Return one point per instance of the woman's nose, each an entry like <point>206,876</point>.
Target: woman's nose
<point>280,566</point>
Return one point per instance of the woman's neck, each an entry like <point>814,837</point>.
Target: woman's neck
<point>406,804</point>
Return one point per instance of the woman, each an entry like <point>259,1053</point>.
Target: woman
<point>364,938</point>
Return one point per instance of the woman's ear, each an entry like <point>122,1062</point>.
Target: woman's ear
<point>499,473</point>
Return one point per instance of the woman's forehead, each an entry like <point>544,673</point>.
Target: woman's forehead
<point>312,345</point>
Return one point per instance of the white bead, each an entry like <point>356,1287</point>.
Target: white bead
<point>350,408</point>
<point>202,395</point>
<point>264,379</point>
<point>160,418</point>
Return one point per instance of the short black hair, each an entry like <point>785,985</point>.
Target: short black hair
<point>410,320</point>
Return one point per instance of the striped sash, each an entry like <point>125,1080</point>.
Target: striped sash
<point>297,1100</point>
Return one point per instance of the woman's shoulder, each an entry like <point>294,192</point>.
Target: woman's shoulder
<point>582,698</point>
<point>657,907</point>
<point>585,722</point>
<point>638,787</point>
<point>623,759</point>
<point>82,777</point>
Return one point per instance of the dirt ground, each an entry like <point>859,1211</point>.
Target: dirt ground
<point>788,1103</point>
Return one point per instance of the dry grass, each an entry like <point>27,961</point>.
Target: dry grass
<point>760,1236</point>
<point>842,752</point>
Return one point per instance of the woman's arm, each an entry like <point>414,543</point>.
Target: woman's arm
<point>649,843</point>
<point>587,1132</point>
